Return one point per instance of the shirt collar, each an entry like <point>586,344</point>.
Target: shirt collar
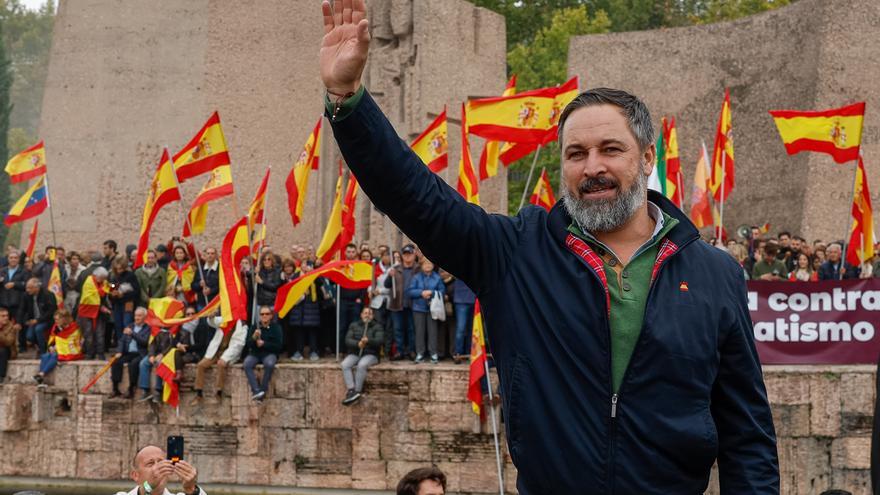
<point>212,266</point>
<point>656,215</point>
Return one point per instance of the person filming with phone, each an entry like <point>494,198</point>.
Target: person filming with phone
<point>151,469</point>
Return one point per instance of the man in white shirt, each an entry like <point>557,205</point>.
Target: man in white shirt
<point>151,471</point>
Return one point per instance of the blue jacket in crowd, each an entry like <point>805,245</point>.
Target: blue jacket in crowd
<point>421,282</point>
<point>693,391</point>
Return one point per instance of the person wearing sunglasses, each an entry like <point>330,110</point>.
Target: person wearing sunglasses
<point>263,343</point>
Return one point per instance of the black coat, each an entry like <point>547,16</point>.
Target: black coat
<point>212,281</point>
<point>11,298</point>
<point>141,336</point>
<point>267,290</point>
<point>307,313</point>
<point>46,302</point>
<point>827,271</point>
<point>693,390</point>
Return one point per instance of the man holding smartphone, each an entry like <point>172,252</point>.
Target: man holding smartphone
<point>151,471</point>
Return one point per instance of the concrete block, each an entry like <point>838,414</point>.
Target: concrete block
<point>784,388</point>
<point>791,420</point>
<point>851,453</point>
<point>825,403</point>
<point>857,392</point>
<point>252,470</point>
<point>368,475</point>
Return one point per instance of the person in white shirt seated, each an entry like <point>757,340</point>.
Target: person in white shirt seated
<point>152,471</point>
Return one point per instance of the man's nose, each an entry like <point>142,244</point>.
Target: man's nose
<point>594,165</point>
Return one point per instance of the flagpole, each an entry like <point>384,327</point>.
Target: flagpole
<point>186,221</point>
<point>51,211</point>
<point>723,198</point>
<point>260,251</point>
<point>522,200</point>
<point>492,414</point>
<point>849,221</point>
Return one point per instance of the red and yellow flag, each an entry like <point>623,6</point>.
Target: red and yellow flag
<point>163,190</point>
<point>233,294</point>
<point>218,186</point>
<point>489,158</point>
<point>674,190</point>
<point>32,241</point>
<point>468,186</point>
<point>257,209</point>
<point>477,362</point>
<point>28,164</point>
<point>298,179</point>
<point>90,298</point>
<point>32,203</point>
<point>206,151</point>
<point>565,92</point>
<point>701,207</point>
<point>861,237</point>
<point>54,285</point>
<point>543,194</point>
<point>347,274</point>
<point>521,118</point>
<point>340,226</point>
<point>837,132</point>
<point>512,152</point>
<point>722,154</point>
<point>167,371</point>
<point>432,145</point>
<point>167,312</point>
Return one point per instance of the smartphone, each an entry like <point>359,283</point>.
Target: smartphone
<point>175,449</point>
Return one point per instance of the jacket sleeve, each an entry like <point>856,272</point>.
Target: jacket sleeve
<point>378,335</point>
<point>461,237</point>
<point>272,341</point>
<point>747,458</point>
<point>414,291</point>
<point>351,336</point>
<point>142,337</point>
<point>47,307</point>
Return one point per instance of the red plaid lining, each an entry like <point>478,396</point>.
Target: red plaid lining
<point>580,248</point>
<point>667,249</point>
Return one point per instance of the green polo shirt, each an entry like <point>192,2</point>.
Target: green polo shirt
<point>628,287</point>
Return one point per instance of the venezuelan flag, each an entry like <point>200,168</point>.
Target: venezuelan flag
<point>33,202</point>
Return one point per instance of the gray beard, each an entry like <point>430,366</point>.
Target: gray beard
<point>607,215</point>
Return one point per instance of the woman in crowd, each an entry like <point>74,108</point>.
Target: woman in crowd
<point>181,276</point>
<point>803,271</point>
<point>65,344</point>
<point>268,280</point>
<point>740,254</point>
<point>421,290</point>
<point>304,319</point>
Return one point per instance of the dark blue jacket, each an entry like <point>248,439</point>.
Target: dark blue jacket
<point>693,391</point>
<point>827,271</point>
<point>462,294</point>
<point>421,282</point>
<point>140,335</point>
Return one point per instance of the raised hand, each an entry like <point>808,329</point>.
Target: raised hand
<point>345,45</point>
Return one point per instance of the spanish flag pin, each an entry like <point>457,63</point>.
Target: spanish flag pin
<point>683,287</point>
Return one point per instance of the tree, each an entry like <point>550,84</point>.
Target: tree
<point>5,111</point>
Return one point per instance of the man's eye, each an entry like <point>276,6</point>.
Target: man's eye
<point>612,149</point>
<point>575,155</point>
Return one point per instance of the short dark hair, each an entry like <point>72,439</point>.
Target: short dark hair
<point>351,245</point>
<point>111,244</point>
<point>638,117</point>
<point>784,233</point>
<point>409,484</point>
<point>771,248</point>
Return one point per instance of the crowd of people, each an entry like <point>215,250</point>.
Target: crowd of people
<point>396,318</point>
<point>102,313</point>
<point>787,257</point>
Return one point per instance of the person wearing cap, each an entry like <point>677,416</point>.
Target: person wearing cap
<point>626,356</point>
<point>399,279</point>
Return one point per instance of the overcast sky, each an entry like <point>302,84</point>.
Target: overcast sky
<point>34,4</point>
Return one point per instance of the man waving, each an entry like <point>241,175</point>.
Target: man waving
<point>627,362</point>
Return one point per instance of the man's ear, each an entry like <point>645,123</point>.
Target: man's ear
<point>135,475</point>
<point>650,158</point>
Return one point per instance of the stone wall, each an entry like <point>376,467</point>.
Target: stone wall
<point>411,416</point>
<point>811,55</point>
<point>123,82</point>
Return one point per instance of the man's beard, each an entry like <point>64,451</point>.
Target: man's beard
<point>606,215</point>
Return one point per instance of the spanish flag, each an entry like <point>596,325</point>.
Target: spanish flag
<point>543,194</point>
<point>477,362</point>
<point>257,209</point>
<point>233,294</point>
<point>521,118</point>
<point>512,152</point>
<point>54,285</point>
<point>33,202</point>
<point>28,164</point>
<point>347,274</point>
<point>67,342</point>
<point>163,190</point>
<point>468,186</point>
<point>167,312</point>
<point>167,371</point>
<point>722,153</point>
<point>341,224</point>
<point>564,94</point>
<point>861,237</point>
<point>90,299</point>
<point>218,186</point>
<point>491,149</point>
<point>206,151</point>
<point>32,241</point>
<point>837,132</point>
<point>298,179</point>
<point>432,145</point>
<point>673,189</point>
<point>701,207</point>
